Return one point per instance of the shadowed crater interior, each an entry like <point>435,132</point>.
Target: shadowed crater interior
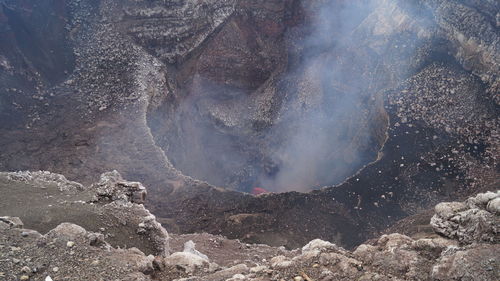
<point>274,109</point>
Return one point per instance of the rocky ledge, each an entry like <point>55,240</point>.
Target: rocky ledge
<point>103,232</point>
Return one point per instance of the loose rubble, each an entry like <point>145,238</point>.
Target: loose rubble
<point>106,97</point>
<point>111,208</point>
<point>390,257</point>
<point>468,249</point>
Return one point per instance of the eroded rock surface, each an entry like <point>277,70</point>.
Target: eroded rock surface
<point>112,187</point>
<point>390,257</point>
<point>145,87</point>
<point>68,250</point>
<point>43,200</point>
<point>475,220</point>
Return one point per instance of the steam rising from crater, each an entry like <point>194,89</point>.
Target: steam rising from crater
<point>323,147</point>
<point>322,130</point>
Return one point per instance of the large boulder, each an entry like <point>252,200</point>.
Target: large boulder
<point>475,220</point>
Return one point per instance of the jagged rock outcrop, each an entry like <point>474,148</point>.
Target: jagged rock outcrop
<point>71,251</point>
<point>173,30</point>
<point>111,187</point>
<point>390,257</point>
<point>112,207</point>
<point>94,86</point>
<point>476,220</point>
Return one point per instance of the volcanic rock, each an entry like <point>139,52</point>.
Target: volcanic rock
<point>57,205</point>
<point>468,223</point>
<point>390,113</point>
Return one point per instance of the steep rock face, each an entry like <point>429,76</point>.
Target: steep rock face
<point>135,99</point>
<point>170,31</point>
<point>440,140</point>
<point>472,27</point>
<point>34,55</point>
<point>216,96</point>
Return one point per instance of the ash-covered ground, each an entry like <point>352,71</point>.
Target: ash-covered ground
<point>273,122</point>
<point>43,239</point>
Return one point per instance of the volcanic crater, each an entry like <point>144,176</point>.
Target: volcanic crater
<point>372,110</point>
